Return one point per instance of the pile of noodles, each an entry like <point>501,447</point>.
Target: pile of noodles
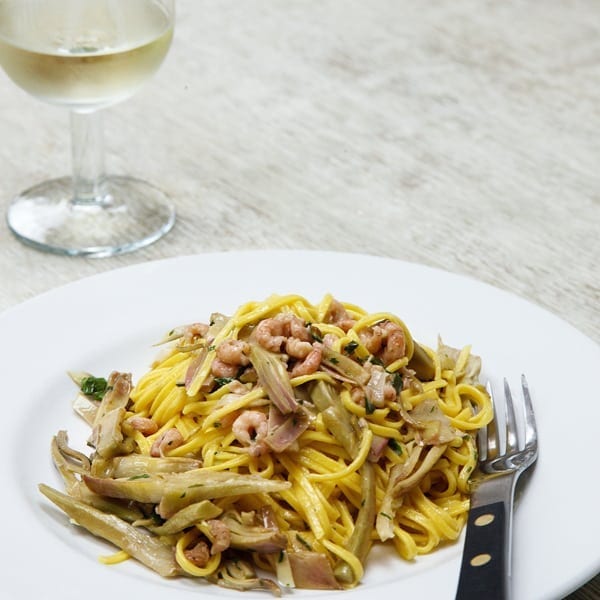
<point>329,430</point>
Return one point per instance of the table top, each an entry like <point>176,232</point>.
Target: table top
<point>459,134</point>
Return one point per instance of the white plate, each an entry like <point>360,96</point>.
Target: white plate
<point>111,320</point>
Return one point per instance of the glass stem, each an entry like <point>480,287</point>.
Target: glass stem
<point>87,155</point>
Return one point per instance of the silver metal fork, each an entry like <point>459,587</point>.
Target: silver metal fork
<point>504,453</point>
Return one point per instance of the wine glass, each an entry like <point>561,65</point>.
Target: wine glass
<point>86,55</point>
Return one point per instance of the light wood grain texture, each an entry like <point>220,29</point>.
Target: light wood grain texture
<point>461,134</point>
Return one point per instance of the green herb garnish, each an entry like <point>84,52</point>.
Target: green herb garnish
<point>94,386</point>
<point>303,542</point>
<point>350,347</point>
<point>221,381</point>
<point>397,382</point>
<point>395,446</point>
<point>315,333</point>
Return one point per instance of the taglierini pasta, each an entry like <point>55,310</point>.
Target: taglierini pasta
<point>286,440</point>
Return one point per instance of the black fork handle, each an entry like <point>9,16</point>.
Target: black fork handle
<point>486,563</point>
<point>482,573</point>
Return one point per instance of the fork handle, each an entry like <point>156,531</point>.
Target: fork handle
<point>486,564</point>
<point>483,569</point>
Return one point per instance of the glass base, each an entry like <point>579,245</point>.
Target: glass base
<point>130,214</point>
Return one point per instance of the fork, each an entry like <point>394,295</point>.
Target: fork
<point>503,455</point>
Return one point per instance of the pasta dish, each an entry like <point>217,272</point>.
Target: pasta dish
<point>272,448</point>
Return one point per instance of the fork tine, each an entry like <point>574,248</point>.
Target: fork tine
<point>530,425</point>
<point>482,444</point>
<point>491,445</point>
<point>512,437</point>
<point>481,438</point>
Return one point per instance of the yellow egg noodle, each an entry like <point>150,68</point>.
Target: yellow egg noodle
<point>287,438</point>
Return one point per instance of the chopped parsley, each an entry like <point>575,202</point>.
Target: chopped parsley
<point>395,446</point>
<point>350,347</point>
<point>303,542</point>
<point>141,476</point>
<point>221,381</point>
<point>397,382</point>
<point>315,333</point>
<point>94,386</point>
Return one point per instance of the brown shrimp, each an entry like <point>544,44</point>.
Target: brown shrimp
<point>168,440</point>
<point>310,364</point>
<point>250,429</point>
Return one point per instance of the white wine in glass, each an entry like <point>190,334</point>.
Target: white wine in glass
<point>86,55</point>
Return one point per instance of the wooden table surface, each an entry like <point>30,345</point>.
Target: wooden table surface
<point>461,134</point>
